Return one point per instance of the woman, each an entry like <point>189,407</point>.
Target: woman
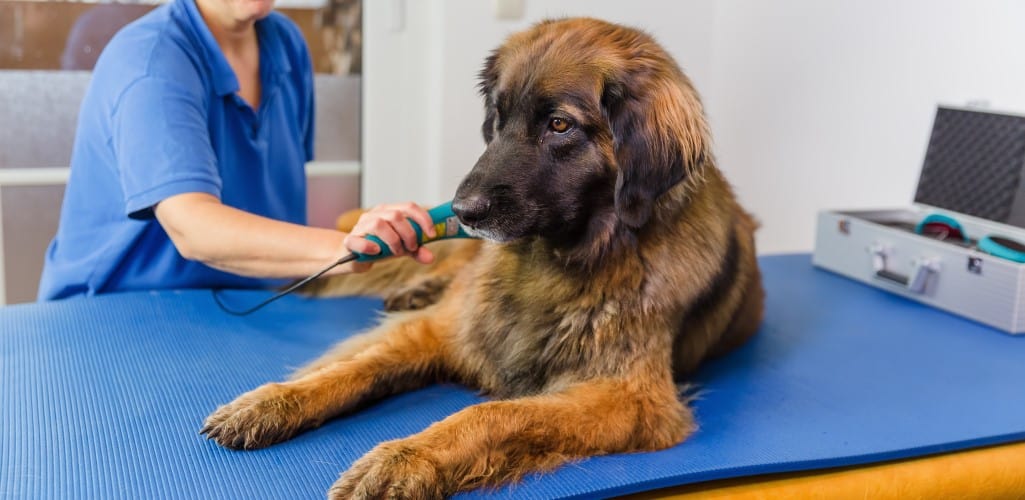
<point>187,169</point>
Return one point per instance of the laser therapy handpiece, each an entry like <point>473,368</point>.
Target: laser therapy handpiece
<point>446,225</point>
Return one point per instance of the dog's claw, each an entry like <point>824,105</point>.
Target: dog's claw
<point>259,418</point>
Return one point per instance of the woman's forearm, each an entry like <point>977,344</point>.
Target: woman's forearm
<point>225,238</point>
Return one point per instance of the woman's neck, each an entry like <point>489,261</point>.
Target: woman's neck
<point>233,35</point>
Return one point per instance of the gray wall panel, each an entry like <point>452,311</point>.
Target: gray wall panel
<point>338,118</point>
<point>38,112</point>
<point>30,215</point>
<point>329,197</point>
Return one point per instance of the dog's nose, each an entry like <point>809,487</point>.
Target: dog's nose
<point>471,209</point>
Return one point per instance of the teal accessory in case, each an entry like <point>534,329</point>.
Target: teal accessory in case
<point>1002,247</point>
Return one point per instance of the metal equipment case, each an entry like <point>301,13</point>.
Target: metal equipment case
<point>973,176</point>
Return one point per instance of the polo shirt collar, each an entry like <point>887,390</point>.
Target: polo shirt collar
<point>272,52</point>
<point>272,47</point>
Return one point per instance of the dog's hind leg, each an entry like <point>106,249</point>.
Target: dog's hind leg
<point>498,441</point>
<point>451,257</point>
<point>399,355</point>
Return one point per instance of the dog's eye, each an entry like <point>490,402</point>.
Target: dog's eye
<point>559,125</point>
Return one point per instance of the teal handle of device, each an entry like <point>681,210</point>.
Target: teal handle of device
<point>446,225</point>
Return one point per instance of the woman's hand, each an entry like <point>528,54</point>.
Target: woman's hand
<point>390,223</point>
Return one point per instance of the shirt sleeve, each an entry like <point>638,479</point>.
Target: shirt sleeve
<point>162,145</point>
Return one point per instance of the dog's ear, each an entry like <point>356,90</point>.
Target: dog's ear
<point>659,135</point>
<point>488,79</point>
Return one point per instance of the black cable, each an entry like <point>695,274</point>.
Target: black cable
<point>291,288</point>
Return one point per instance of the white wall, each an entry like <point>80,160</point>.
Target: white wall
<point>829,104</point>
<point>813,104</point>
<point>421,108</point>
<point>684,27</point>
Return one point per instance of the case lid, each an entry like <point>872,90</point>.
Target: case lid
<point>974,165</point>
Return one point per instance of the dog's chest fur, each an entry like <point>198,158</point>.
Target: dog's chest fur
<point>529,324</point>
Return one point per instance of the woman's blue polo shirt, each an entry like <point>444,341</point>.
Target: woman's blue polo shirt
<point>161,117</point>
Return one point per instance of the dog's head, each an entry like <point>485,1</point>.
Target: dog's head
<point>587,124</point>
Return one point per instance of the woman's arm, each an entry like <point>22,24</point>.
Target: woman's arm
<point>232,240</point>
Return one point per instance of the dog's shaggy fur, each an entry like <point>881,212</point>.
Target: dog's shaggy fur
<point>617,260</point>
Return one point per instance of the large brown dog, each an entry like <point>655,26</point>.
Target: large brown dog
<point>617,260</point>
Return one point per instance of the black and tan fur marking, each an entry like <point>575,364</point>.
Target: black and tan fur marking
<point>617,261</point>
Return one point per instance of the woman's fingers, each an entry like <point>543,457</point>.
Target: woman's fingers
<point>393,225</point>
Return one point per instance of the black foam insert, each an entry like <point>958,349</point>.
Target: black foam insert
<point>974,165</point>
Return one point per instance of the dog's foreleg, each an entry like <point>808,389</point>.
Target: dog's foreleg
<point>395,357</point>
<point>498,441</point>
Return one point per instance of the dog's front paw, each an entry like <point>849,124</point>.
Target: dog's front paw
<point>266,415</point>
<point>393,470</point>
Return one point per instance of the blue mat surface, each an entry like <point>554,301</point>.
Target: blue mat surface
<point>103,397</point>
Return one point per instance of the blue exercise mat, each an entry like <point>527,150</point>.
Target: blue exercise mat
<point>103,397</point>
